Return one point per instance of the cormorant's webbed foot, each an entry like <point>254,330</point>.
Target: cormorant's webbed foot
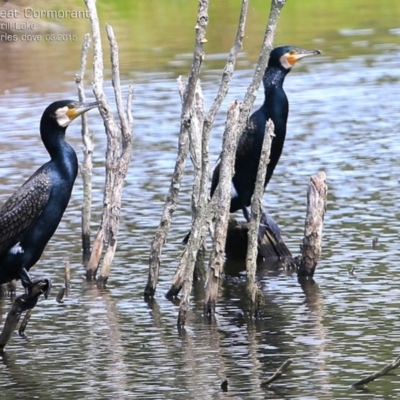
<point>28,283</point>
<point>45,285</point>
<point>33,292</point>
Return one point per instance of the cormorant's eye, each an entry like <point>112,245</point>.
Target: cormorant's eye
<point>292,52</point>
<point>71,106</point>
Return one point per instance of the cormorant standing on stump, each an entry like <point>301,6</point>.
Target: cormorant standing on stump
<point>31,215</point>
<point>276,108</point>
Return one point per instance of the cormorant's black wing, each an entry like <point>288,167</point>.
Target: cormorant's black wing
<point>243,156</point>
<point>22,209</point>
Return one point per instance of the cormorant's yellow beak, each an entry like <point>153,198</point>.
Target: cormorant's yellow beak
<point>77,109</point>
<point>295,55</point>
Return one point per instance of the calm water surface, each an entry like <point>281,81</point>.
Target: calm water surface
<point>110,344</point>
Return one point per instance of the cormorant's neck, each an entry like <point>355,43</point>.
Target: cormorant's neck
<point>273,78</point>
<point>53,138</point>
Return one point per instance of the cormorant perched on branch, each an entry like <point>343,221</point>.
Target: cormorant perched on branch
<point>276,108</point>
<point>31,215</point>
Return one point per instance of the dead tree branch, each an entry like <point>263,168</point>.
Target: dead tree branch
<point>254,293</point>
<point>204,212</point>
<point>316,206</point>
<point>87,164</point>
<point>217,257</point>
<point>384,371</point>
<point>201,181</point>
<point>245,108</point>
<point>183,149</point>
<point>118,152</point>
<point>278,373</point>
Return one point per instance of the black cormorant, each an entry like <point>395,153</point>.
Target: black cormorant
<point>276,108</point>
<point>31,215</point>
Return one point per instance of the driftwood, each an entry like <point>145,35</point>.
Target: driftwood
<point>118,153</point>
<point>87,164</point>
<point>278,373</point>
<point>384,371</point>
<point>316,207</point>
<point>22,303</point>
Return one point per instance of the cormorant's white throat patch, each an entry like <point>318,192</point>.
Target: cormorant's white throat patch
<point>62,117</point>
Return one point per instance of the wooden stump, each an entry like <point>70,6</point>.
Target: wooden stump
<point>316,206</point>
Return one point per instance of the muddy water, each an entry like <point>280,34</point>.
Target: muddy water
<point>110,344</point>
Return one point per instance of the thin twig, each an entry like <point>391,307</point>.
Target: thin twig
<point>67,278</point>
<point>229,68</point>
<point>278,373</point>
<point>384,371</point>
<point>87,164</point>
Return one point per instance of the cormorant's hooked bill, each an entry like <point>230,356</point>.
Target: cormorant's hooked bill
<point>288,56</point>
<point>73,109</point>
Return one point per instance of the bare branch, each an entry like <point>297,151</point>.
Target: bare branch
<point>117,158</point>
<point>278,373</point>
<point>199,150</point>
<point>183,149</point>
<point>229,67</point>
<point>253,290</point>
<point>87,164</point>
<point>116,82</point>
<point>229,145</point>
<point>384,371</point>
<point>245,108</point>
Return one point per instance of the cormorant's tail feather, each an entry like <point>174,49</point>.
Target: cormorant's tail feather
<point>271,243</point>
